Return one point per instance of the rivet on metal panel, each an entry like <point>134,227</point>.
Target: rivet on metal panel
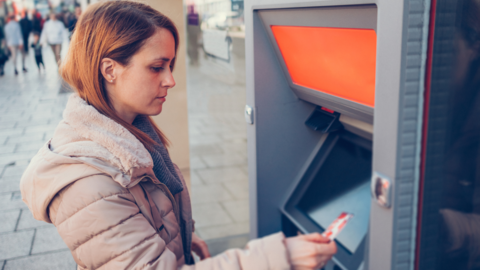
<point>249,114</point>
<point>381,188</point>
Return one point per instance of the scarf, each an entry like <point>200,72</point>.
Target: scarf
<point>162,164</point>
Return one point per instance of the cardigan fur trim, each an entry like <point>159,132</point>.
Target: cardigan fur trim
<point>106,139</point>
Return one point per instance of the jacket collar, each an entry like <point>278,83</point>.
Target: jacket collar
<point>118,146</point>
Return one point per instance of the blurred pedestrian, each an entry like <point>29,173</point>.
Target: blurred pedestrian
<point>26,26</point>
<point>14,38</point>
<point>37,22</point>
<point>3,51</point>
<point>62,17</point>
<point>53,34</point>
<point>38,50</point>
<point>73,22</point>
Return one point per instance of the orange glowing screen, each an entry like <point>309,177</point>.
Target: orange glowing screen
<point>337,61</point>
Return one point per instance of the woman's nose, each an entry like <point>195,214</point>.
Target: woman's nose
<point>168,81</point>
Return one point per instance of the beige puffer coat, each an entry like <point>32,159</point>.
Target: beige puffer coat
<point>94,182</point>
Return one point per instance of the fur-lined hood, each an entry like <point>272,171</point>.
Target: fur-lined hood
<point>85,143</point>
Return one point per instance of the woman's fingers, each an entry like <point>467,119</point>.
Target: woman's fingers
<point>324,253</point>
<point>200,247</point>
<point>201,251</point>
<point>326,249</point>
<point>322,261</point>
<point>204,250</point>
<point>315,237</point>
<point>309,252</point>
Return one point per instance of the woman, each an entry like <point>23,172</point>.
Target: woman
<point>105,179</point>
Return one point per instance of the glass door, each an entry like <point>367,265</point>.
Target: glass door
<point>449,209</point>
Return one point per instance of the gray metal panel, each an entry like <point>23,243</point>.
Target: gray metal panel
<point>276,4</point>
<point>251,132</point>
<point>298,179</point>
<point>352,16</point>
<point>416,23</point>
<point>406,112</point>
<point>282,141</point>
<point>385,126</point>
<point>343,106</point>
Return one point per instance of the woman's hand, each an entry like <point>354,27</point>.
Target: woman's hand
<point>310,251</point>
<point>200,247</point>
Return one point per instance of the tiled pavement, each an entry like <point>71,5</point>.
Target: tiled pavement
<point>31,107</point>
<point>218,150</point>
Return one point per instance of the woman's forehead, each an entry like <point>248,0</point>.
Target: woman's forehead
<point>160,46</point>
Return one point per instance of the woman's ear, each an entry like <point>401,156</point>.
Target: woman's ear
<point>108,68</point>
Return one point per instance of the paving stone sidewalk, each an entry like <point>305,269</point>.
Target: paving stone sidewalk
<point>30,108</point>
<point>218,149</point>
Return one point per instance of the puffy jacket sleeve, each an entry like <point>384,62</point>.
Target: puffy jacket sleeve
<point>103,227</point>
<point>265,253</point>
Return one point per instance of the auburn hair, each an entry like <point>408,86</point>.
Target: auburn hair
<point>115,30</point>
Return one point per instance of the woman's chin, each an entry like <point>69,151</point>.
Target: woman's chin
<point>155,111</point>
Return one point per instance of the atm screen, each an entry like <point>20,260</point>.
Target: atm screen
<point>337,61</point>
<point>342,184</point>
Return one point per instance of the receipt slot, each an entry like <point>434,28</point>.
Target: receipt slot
<point>334,113</point>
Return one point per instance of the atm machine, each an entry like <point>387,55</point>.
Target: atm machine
<point>371,108</point>
<point>335,107</point>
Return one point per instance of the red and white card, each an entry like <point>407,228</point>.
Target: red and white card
<point>337,225</point>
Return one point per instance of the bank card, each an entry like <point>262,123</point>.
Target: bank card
<point>337,225</point>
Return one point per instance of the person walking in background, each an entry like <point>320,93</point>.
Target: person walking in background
<point>63,17</point>
<point>53,34</point>
<point>26,26</point>
<point>38,50</point>
<point>37,22</point>
<point>3,50</point>
<point>74,19</point>
<point>14,37</point>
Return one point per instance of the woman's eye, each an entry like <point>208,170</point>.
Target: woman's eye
<point>157,69</point>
